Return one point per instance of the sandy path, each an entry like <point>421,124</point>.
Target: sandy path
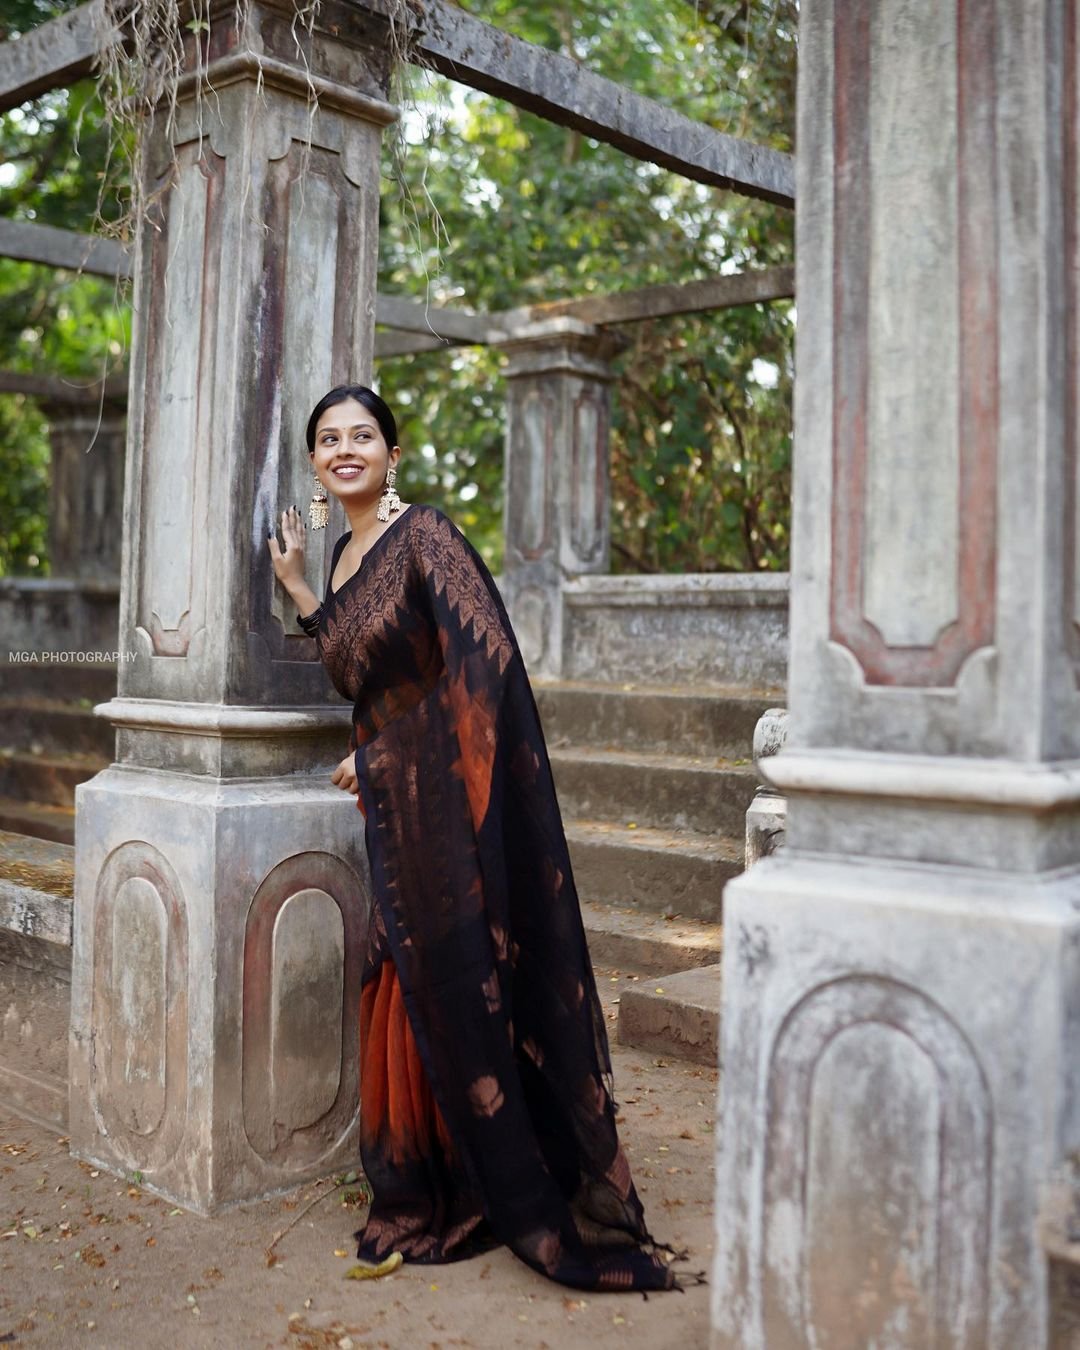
<point>95,1261</point>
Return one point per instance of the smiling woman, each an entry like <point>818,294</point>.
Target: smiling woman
<point>486,1107</point>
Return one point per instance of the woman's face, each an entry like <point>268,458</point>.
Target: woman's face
<point>351,455</point>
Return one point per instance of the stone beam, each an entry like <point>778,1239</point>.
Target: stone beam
<point>650,302</point>
<point>51,56</point>
<point>54,389</point>
<point>29,242</point>
<point>658,302</point>
<point>482,56</point>
<point>412,316</point>
<point>560,90</point>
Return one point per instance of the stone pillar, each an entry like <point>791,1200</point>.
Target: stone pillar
<point>766,816</point>
<point>901,1000</point>
<point>86,490</point>
<point>221,888</point>
<point>558,497</point>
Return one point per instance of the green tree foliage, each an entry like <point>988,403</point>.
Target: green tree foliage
<point>52,154</point>
<point>503,209</point>
<point>506,209</point>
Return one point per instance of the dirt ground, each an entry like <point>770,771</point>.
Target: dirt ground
<point>88,1259</point>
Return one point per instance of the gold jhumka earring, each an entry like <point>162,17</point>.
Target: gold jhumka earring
<point>319,511</point>
<point>389,501</point>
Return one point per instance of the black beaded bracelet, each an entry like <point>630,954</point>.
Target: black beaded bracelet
<point>310,623</point>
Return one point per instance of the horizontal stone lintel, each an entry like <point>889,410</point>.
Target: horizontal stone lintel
<point>415,325</point>
<point>484,57</point>
<point>561,90</point>
<point>28,241</point>
<point>966,780</point>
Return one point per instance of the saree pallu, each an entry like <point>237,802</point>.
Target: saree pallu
<point>487,1111</point>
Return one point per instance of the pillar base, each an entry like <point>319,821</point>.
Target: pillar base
<point>219,935</point>
<point>900,1080</point>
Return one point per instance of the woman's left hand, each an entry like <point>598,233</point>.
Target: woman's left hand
<point>344,776</point>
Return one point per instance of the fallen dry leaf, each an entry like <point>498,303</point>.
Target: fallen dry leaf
<point>368,1272</point>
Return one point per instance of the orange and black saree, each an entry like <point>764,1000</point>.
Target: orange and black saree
<point>486,1096</point>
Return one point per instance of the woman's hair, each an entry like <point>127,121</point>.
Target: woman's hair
<point>368,398</point>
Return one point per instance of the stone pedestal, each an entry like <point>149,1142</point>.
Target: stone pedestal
<point>558,495</point>
<point>902,982</point>
<point>221,893</point>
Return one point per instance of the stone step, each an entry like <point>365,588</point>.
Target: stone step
<point>56,823</point>
<point>46,780</point>
<point>648,944</point>
<point>667,872</point>
<point>70,682</point>
<point>55,726</point>
<point>36,887</point>
<point>706,794</point>
<point>716,721</point>
<point>41,864</point>
<point>676,1015</point>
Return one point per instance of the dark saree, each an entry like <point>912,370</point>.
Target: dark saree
<point>487,1113</point>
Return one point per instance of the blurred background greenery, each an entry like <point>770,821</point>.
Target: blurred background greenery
<point>486,207</point>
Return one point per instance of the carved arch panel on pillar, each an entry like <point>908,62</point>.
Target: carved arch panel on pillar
<point>139,1010</point>
<point>304,946</point>
<point>184,268</point>
<point>589,470</point>
<point>912,1091</point>
<point>315,219</point>
<point>530,493</point>
<point>914,479</point>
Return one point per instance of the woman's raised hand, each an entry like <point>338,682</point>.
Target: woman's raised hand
<point>289,564</point>
<point>344,776</point>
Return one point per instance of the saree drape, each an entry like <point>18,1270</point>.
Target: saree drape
<point>487,1110</point>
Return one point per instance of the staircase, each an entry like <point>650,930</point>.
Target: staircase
<point>50,741</point>
<point>653,785</point>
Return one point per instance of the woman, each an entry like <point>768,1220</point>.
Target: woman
<point>486,1109</point>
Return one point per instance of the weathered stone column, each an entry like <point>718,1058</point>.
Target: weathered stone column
<point>86,490</point>
<point>558,497</point>
<point>902,982</point>
<point>766,816</point>
<point>221,893</point>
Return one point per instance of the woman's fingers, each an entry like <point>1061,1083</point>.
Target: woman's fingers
<point>293,528</point>
<point>344,776</point>
<point>288,562</point>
